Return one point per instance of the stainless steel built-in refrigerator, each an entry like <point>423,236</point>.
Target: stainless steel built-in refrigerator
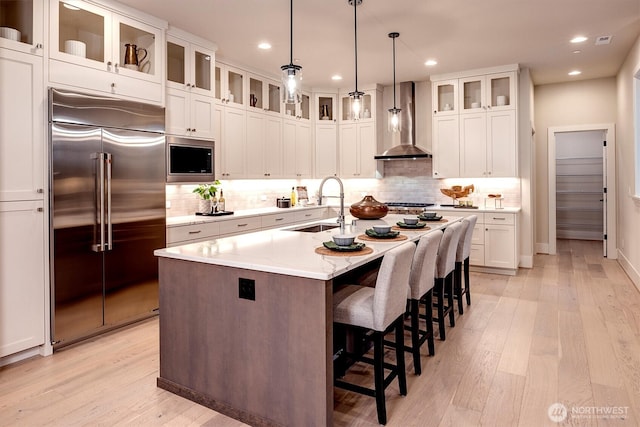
<point>107,162</point>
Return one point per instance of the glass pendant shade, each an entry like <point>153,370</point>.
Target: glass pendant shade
<point>291,84</point>
<point>394,113</point>
<point>291,75</point>
<point>394,120</point>
<point>356,104</point>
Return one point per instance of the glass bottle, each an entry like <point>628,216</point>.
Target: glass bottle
<point>221,202</point>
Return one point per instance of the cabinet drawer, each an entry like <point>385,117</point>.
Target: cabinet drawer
<point>193,232</point>
<point>240,225</point>
<point>499,218</point>
<point>278,220</point>
<point>310,215</point>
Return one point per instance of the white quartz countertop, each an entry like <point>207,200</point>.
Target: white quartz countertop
<point>292,253</point>
<point>199,219</point>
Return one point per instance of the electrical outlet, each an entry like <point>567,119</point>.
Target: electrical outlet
<point>247,289</point>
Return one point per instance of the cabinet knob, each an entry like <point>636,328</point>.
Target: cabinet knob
<point>40,209</point>
<point>38,46</point>
<point>188,129</point>
<point>116,65</point>
<point>113,85</point>
<point>40,190</point>
<point>193,130</point>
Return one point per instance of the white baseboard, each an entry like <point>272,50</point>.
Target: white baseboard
<point>629,269</point>
<point>526,261</point>
<point>542,248</point>
<point>23,355</point>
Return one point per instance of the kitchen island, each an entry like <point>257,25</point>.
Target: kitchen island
<point>246,322</point>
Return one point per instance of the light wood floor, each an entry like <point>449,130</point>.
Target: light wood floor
<point>566,331</point>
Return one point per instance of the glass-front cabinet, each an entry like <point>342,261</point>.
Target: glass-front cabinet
<point>126,54</point>
<point>445,97</point>
<point>366,108</point>
<point>189,66</point>
<point>90,36</point>
<point>493,91</point>
<point>21,25</point>
<point>299,111</point>
<point>229,85</point>
<point>264,95</point>
<point>326,108</point>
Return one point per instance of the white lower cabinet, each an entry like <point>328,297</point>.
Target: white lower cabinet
<point>500,248</point>
<point>191,233</point>
<point>494,242</point>
<point>22,276</point>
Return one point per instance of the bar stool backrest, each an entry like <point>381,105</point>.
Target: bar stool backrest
<point>446,262</point>
<point>390,295</point>
<point>464,245</point>
<point>424,264</point>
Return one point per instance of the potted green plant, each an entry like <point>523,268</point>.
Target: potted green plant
<point>206,194</point>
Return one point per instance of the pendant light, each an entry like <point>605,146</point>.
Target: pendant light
<point>394,113</point>
<point>356,95</point>
<point>291,76</point>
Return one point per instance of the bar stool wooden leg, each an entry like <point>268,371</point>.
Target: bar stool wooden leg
<point>457,285</point>
<point>378,373</point>
<point>448,283</point>
<point>415,335</point>
<point>402,374</point>
<point>466,281</point>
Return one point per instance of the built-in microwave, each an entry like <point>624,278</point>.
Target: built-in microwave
<point>189,160</point>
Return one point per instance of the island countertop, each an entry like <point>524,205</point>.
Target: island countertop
<point>288,252</point>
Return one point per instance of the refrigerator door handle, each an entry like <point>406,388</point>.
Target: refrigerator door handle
<point>109,245</point>
<point>99,246</point>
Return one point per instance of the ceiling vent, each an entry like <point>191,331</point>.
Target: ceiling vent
<point>600,40</point>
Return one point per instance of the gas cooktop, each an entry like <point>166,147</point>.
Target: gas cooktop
<point>407,207</point>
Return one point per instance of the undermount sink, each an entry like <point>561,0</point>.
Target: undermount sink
<point>315,228</point>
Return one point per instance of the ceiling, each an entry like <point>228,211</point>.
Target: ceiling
<point>460,34</point>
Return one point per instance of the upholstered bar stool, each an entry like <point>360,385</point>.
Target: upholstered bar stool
<point>462,263</point>
<point>378,311</point>
<point>445,265</point>
<point>421,286</point>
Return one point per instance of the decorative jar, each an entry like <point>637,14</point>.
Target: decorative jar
<point>369,208</point>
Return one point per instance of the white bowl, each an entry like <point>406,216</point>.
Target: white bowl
<point>410,221</point>
<point>10,33</point>
<point>382,229</point>
<point>429,214</point>
<point>343,240</point>
<point>75,47</point>
<point>501,100</point>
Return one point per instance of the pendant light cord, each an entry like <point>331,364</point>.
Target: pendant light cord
<point>291,35</point>
<point>394,71</point>
<point>355,26</point>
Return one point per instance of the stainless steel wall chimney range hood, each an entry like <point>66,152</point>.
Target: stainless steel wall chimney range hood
<point>407,148</point>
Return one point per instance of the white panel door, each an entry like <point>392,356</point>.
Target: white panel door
<point>446,147</point>
<point>234,144</point>
<point>348,151</point>
<point>326,158</point>
<point>499,246</point>
<point>473,145</point>
<point>502,144</point>
<point>202,124</point>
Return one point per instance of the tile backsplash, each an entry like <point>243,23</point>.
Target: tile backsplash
<point>404,181</point>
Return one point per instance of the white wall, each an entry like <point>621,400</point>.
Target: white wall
<point>628,210</point>
<point>565,104</point>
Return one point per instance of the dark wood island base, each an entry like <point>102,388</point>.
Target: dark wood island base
<point>266,361</point>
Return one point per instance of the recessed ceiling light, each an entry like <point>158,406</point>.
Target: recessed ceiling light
<point>336,77</point>
<point>431,62</point>
<point>579,39</point>
<point>575,73</point>
<point>264,46</point>
<point>577,51</point>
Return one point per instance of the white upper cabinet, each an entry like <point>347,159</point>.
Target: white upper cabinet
<point>229,87</point>
<point>444,97</point>
<point>493,92</point>
<point>475,124</point>
<point>126,53</point>
<point>189,98</point>
<point>301,111</point>
<point>263,95</point>
<point>24,25</point>
<point>190,66</point>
